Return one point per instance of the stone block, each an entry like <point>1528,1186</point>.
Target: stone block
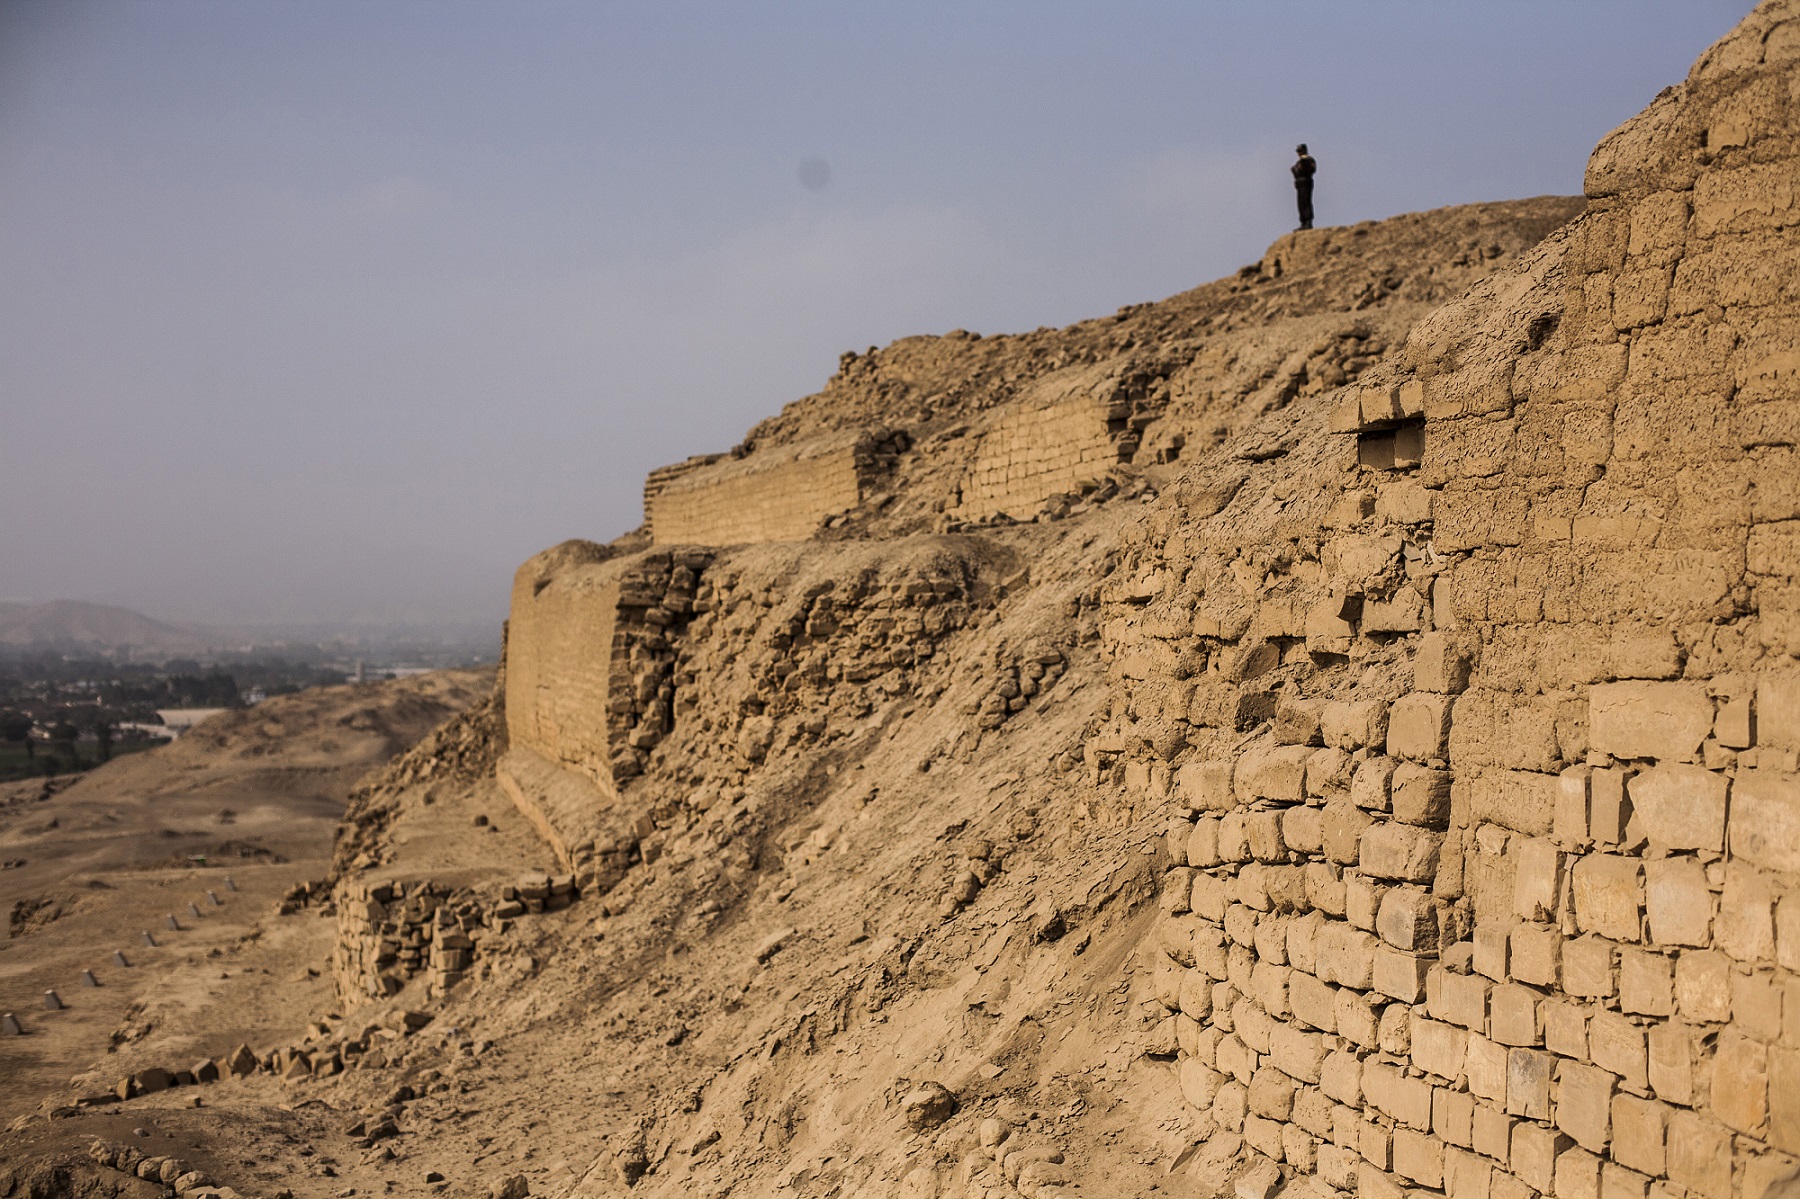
<point>1740,1083</point>
<point>1303,830</point>
<point>1393,1034</point>
<point>1439,1048</point>
<point>1491,1130</point>
<point>1299,1148</point>
<point>1376,1144</point>
<point>1263,832</point>
<point>1338,1166</point>
<point>1401,852</point>
<point>1680,806</point>
<point>1703,987</point>
<point>1537,876</point>
<point>1649,720</point>
<point>1646,983</point>
<point>1678,901</point>
<point>1264,1137</point>
<point>1420,795</point>
<point>1587,967</point>
<point>1618,1044</point>
<point>1536,953</point>
<point>1535,1149</point>
<point>1362,900</point>
<point>1521,800</point>
<point>1346,955</point>
<point>1371,783</point>
<point>1485,1062</point>
<point>1209,897</point>
<point>1699,1155</point>
<point>1569,824</point>
<point>1509,1186</point>
<point>1528,1073</point>
<point>1637,1133</point>
<point>1440,665</point>
<point>1584,1097</point>
<point>1195,995</point>
<point>1672,1061</point>
<point>1312,1111</point>
<point>1302,941</point>
<point>1398,974</point>
<point>1419,1157</point>
<point>1419,726</point>
<point>1756,1004</point>
<point>1202,849</point>
<point>1234,842</point>
<point>1608,892</point>
<point>1765,819</point>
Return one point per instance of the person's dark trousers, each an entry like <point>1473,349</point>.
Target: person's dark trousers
<point>1303,192</point>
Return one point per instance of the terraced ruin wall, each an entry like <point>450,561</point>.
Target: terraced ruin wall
<point>1029,456</point>
<point>1482,765</point>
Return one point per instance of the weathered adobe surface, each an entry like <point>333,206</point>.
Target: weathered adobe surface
<point>1397,794</point>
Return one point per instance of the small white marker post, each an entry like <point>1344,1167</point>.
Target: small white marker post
<point>119,959</point>
<point>149,939</point>
<point>52,1002</point>
<point>9,1024</point>
<point>88,979</point>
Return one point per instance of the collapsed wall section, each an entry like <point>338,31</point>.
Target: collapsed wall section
<point>782,493</point>
<point>1483,763</point>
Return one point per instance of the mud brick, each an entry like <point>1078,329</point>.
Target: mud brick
<point>1353,724</point>
<point>1399,975</point>
<point>1680,806</point>
<point>1202,847</point>
<point>1535,1149</point>
<point>1459,999</point>
<point>1357,1020</point>
<point>1569,824</point>
<point>1649,720</point>
<point>1452,1116</point>
<point>1362,900</point>
<point>1699,1155</point>
<point>1420,795</point>
<point>1678,902</point>
<point>1199,1084</point>
<point>1492,1129</point>
<point>1393,1094</point>
<point>1303,829</point>
<point>1577,1175</point>
<point>1338,1165</point>
<point>1584,1097</point>
<point>1371,786</point>
<point>1376,1144</point>
<point>1493,951</point>
<point>1609,808</point>
<point>1299,1149</point>
<point>1408,919</point>
<point>1565,1029</point>
<point>1394,1033</point>
<point>1302,941</point>
<point>1703,987</point>
<point>1646,983</point>
<point>1297,1054</point>
<point>1528,1074</point>
<point>1271,1094</point>
<point>1784,1098</point>
<point>1756,1004</point>
<point>1419,726</point>
<point>1536,952</point>
<point>1346,956</point>
<point>1402,852</point>
<point>1616,1182</point>
<point>1618,1045</point>
<point>1466,1176</point>
<point>1439,664</point>
<point>1765,818</point>
<point>1340,1078</point>
<point>1485,1062</point>
<point>1608,896</point>
<point>1206,786</point>
<point>1263,1135</point>
<point>1587,967</point>
<point>1537,873</point>
<point>1745,927</point>
<point>1312,1111</point>
<point>1740,1082</point>
<point>1439,1048</point>
<point>1341,828</point>
<point>1312,1002</point>
<point>1419,1156</point>
<point>1509,1186</point>
<point>1512,1015</point>
<point>1672,1061</point>
<point>1637,1133</point>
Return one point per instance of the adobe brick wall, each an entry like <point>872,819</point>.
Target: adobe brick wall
<point>1481,766</point>
<point>1028,455</point>
<point>783,493</point>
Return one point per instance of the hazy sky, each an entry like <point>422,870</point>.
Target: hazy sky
<point>338,311</point>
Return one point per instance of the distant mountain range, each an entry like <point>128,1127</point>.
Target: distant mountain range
<point>71,624</point>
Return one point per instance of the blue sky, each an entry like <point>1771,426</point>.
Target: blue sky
<point>336,311</point>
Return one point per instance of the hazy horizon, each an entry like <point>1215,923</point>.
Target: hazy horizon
<point>330,314</point>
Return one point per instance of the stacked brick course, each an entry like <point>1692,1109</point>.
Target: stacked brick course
<point>1487,830</point>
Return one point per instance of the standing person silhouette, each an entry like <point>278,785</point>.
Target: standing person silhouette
<point>1304,168</point>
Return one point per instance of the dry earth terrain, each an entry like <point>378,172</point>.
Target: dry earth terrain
<point>1331,731</point>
